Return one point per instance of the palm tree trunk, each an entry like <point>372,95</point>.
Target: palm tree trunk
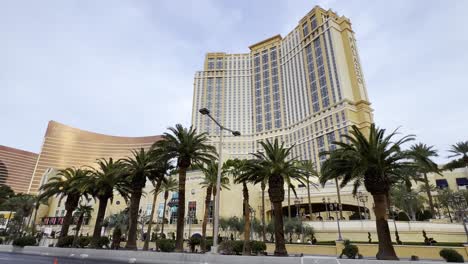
<point>289,202</point>
<point>150,224</point>
<point>78,227</point>
<point>280,248</point>
<point>166,195</point>
<point>99,218</point>
<point>70,205</point>
<point>338,193</point>
<point>263,186</point>
<point>246,248</point>
<point>276,193</point>
<point>181,210</point>
<point>429,195</point>
<point>133,219</point>
<point>386,250</point>
<point>34,222</point>
<point>214,199</point>
<point>205,217</point>
<point>308,199</point>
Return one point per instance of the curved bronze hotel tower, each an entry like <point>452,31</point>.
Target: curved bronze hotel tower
<point>65,146</point>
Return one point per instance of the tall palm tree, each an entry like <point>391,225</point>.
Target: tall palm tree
<point>170,185</point>
<point>162,167</point>
<point>138,167</point>
<point>104,180</point>
<point>275,166</point>
<point>372,159</point>
<point>457,150</point>
<point>188,148</point>
<point>67,183</point>
<point>264,226</point>
<point>421,154</point>
<point>81,212</point>
<point>310,172</point>
<point>210,171</point>
<point>237,168</point>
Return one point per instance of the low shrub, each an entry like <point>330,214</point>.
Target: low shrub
<point>1,241</point>
<point>24,241</point>
<point>414,258</point>
<point>258,247</point>
<point>166,245</point>
<point>65,242</point>
<point>451,255</point>
<point>193,242</point>
<point>209,244</point>
<point>349,250</point>
<point>100,242</point>
<point>235,247</point>
<point>83,241</point>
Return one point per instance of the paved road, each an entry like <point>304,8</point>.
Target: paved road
<point>11,258</point>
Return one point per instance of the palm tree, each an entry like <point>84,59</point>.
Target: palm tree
<point>107,178</point>
<point>210,171</point>
<point>458,149</point>
<point>264,226</point>
<point>375,161</point>
<point>81,212</point>
<point>188,148</point>
<point>39,201</point>
<point>138,167</point>
<point>275,166</point>
<point>170,185</point>
<point>67,183</point>
<point>237,168</point>
<point>309,168</point>
<point>421,154</point>
<point>162,167</point>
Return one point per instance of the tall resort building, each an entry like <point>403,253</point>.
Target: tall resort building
<point>305,89</point>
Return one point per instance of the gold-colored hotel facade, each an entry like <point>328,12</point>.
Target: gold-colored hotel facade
<point>305,89</point>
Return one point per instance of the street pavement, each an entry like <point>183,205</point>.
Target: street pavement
<point>12,258</point>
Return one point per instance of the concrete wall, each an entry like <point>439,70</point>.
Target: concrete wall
<point>370,250</point>
<point>176,258</point>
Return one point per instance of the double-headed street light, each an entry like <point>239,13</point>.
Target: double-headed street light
<point>205,111</point>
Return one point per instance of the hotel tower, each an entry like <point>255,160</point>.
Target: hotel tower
<point>305,89</point>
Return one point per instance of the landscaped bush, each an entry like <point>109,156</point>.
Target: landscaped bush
<point>166,245</point>
<point>24,241</point>
<point>193,242</point>
<point>84,241</point>
<point>257,247</point>
<point>402,216</point>
<point>451,255</point>
<point>209,244</point>
<point>234,247</point>
<point>65,242</point>
<point>100,242</point>
<point>1,241</point>
<point>349,250</point>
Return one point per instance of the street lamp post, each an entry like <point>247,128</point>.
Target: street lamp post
<point>364,198</point>
<point>298,202</point>
<point>326,207</point>
<point>335,207</point>
<point>205,111</point>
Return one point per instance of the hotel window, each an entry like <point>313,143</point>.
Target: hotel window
<point>192,210</point>
<point>219,63</point>
<point>305,29</point>
<point>148,208</point>
<point>442,183</point>
<point>313,22</point>
<point>462,183</point>
<point>211,64</point>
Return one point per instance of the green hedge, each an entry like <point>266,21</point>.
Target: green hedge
<point>451,255</point>
<point>65,242</point>
<point>24,241</point>
<point>234,247</point>
<point>166,245</point>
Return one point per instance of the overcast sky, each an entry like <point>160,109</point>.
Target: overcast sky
<point>126,67</point>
